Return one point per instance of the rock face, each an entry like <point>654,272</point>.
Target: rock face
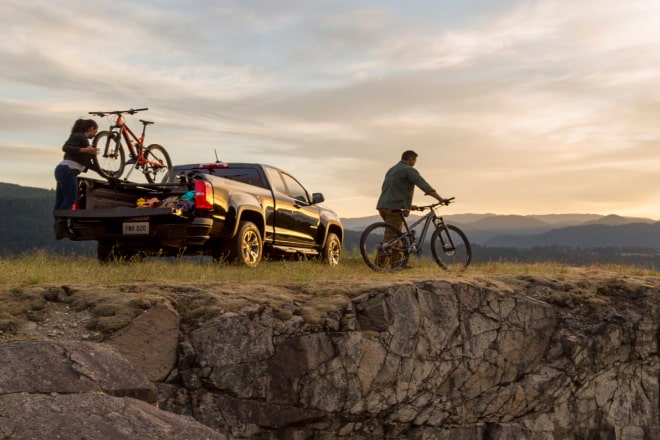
<point>150,341</point>
<point>525,358</point>
<point>92,416</point>
<point>82,390</point>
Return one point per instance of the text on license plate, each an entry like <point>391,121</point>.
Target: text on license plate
<point>136,228</point>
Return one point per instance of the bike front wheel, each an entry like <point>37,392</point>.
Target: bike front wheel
<point>384,248</point>
<point>451,248</point>
<point>158,166</point>
<point>110,160</point>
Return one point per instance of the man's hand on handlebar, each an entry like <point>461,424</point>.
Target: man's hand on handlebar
<point>441,201</point>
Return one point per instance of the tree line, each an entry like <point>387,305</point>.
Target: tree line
<point>27,226</point>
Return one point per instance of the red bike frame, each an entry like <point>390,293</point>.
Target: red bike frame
<point>125,131</point>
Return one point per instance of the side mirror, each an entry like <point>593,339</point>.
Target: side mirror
<point>317,198</point>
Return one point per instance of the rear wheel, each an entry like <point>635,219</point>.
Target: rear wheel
<point>110,160</point>
<point>104,251</point>
<point>332,250</point>
<point>159,166</point>
<point>247,246</point>
<point>451,248</point>
<point>384,256</point>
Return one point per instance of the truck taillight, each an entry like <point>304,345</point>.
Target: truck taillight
<point>203,195</point>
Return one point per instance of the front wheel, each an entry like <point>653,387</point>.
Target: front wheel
<point>247,246</point>
<point>158,166</point>
<point>384,247</point>
<point>110,160</point>
<point>332,250</point>
<point>451,248</point>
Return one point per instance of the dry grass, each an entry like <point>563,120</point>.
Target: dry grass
<point>42,268</point>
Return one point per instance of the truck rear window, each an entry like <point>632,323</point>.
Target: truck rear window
<point>245,175</point>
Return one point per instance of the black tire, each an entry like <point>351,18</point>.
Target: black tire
<point>220,251</point>
<point>247,247</point>
<point>104,251</point>
<point>156,154</point>
<point>377,256</point>
<point>110,160</point>
<point>332,251</point>
<point>453,255</point>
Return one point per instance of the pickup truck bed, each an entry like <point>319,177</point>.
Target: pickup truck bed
<point>204,213</point>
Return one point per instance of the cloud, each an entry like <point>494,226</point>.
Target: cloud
<point>514,106</point>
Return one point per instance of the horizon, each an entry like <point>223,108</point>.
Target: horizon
<point>487,214</point>
<point>514,106</point>
<point>484,214</point>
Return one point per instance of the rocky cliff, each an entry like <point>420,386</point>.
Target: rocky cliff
<point>496,357</point>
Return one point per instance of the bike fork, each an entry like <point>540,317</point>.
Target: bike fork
<point>448,244</point>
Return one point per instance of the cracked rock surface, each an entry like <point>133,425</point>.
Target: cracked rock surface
<point>491,358</point>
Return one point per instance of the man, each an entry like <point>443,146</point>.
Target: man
<point>397,193</point>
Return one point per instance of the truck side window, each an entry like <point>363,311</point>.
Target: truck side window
<point>275,180</point>
<point>295,189</point>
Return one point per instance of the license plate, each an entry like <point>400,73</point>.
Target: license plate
<point>136,228</point>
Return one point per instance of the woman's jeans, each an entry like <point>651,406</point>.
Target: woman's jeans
<point>66,196</point>
<point>66,193</point>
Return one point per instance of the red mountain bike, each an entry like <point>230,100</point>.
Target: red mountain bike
<point>153,161</point>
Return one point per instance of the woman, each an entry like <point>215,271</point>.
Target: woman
<point>78,157</point>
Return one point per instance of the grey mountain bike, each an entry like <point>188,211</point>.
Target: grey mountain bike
<point>385,248</point>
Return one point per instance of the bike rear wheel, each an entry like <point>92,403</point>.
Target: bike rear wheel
<point>384,256</point>
<point>110,160</point>
<point>451,248</point>
<point>158,167</point>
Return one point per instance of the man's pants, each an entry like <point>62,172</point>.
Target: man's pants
<point>394,219</point>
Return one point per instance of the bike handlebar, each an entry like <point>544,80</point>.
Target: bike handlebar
<point>119,112</point>
<point>425,207</point>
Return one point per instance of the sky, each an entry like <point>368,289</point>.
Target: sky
<point>513,106</point>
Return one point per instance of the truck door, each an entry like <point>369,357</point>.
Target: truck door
<point>296,219</point>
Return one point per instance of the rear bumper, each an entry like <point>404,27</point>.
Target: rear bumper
<point>164,229</point>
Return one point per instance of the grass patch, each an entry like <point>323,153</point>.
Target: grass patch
<point>113,294</point>
<point>43,268</point>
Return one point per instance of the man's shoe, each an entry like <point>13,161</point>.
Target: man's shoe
<point>131,161</point>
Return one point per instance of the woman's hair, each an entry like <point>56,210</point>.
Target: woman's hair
<point>82,125</point>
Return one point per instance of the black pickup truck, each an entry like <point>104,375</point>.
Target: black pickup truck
<point>233,212</point>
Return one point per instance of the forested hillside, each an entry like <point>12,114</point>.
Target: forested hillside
<point>27,225</point>
<point>27,222</point>
<point>588,236</point>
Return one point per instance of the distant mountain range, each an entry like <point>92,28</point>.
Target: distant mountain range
<point>27,222</point>
<point>520,231</point>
